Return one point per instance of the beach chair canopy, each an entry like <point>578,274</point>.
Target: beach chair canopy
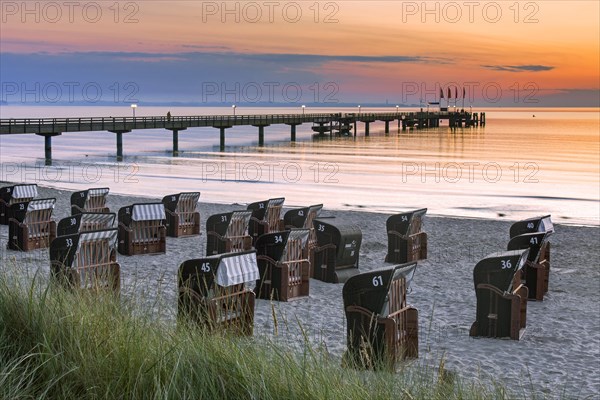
<point>301,217</point>
<point>75,223</point>
<point>301,235</point>
<point>22,209</point>
<point>199,273</point>
<point>535,224</point>
<point>222,223</point>
<point>17,192</point>
<point>238,223</point>
<point>274,245</point>
<point>532,241</point>
<point>346,237</point>
<point>172,202</point>
<point>141,212</point>
<point>81,198</point>
<point>370,289</point>
<point>406,223</point>
<point>65,249</point>
<point>260,208</point>
<point>223,269</point>
<point>498,269</point>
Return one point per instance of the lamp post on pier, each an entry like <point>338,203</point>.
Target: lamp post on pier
<point>133,107</point>
<point>233,108</point>
<point>303,108</point>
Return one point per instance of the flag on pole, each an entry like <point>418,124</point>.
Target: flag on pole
<point>455,92</point>
<point>464,93</point>
<point>441,93</point>
<point>449,93</point>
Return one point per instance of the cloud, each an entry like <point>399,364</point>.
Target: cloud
<point>519,68</point>
<point>205,47</point>
<point>321,59</point>
<point>185,75</point>
<point>222,51</point>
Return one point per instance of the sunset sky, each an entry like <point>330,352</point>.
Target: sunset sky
<point>503,53</point>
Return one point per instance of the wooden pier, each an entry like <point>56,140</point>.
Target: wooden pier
<point>322,123</point>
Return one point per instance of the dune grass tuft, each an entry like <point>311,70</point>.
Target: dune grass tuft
<point>56,343</point>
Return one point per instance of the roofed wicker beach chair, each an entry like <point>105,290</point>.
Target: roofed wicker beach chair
<point>86,260</point>
<point>142,229</point>
<point>266,217</point>
<point>337,251</point>
<point>381,327</point>
<point>10,195</point>
<point>214,292</point>
<point>303,218</point>
<point>283,265</point>
<point>536,271</point>
<point>85,222</point>
<point>534,233</point>
<point>90,200</point>
<point>406,240</point>
<point>183,219</point>
<point>501,298</point>
<point>228,233</point>
<point>31,226</point>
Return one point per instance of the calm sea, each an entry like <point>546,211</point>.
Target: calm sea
<point>524,162</point>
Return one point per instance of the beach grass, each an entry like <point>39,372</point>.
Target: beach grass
<point>56,343</point>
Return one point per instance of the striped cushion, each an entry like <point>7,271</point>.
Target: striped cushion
<point>234,270</point>
<point>24,191</point>
<point>104,219</point>
<point>42,204</point>
<point>98,192</point>
<point>148,212</point>
<point>109,234</point>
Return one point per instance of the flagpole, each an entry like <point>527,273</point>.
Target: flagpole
<point>455,97</point>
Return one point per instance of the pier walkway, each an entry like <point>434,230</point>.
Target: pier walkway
<point>322,123</point>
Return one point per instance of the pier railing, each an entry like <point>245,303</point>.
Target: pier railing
<point>327,122</point>
<point>55,125</point>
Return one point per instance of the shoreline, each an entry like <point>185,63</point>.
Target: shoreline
<point>361,209</point>
<point>560,351</point>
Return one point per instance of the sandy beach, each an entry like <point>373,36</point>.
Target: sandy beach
<point>559,355</point>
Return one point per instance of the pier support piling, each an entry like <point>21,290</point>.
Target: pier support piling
<point>261,134</point>
<point>367,128</point>
<point>120,143</point>
<point>119,146</point>
<point>48,146</point>
<point>293,131</point>
<point>387,127</point>
<point>221,129</point>
<point>176,140</point>
<point>48,149</point>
